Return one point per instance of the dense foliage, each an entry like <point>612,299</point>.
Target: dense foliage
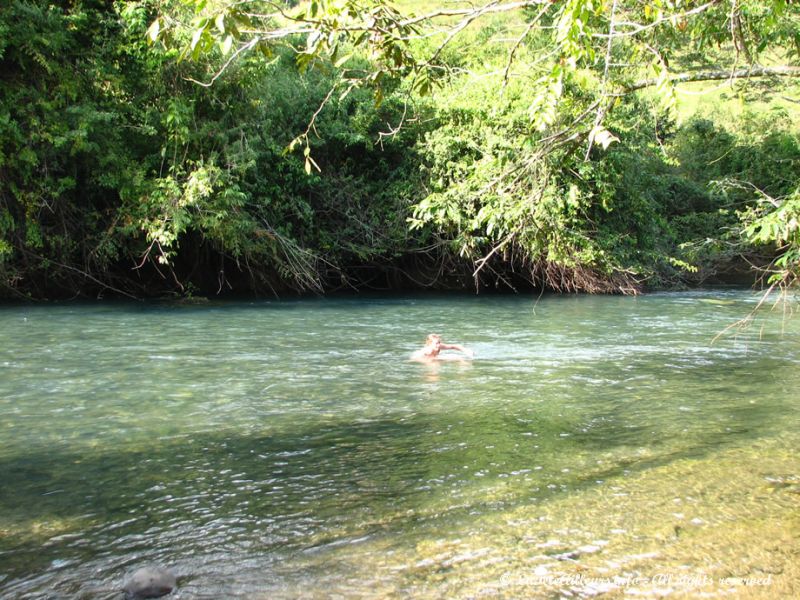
<point>120,174</point>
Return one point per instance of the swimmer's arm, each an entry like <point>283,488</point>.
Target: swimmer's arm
<point>458,348</point>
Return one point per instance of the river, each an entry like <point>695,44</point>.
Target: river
<point>288,449</point>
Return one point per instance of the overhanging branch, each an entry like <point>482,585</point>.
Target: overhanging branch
<point>779,71</point>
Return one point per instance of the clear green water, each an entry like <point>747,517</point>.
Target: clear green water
<point>289,449</point>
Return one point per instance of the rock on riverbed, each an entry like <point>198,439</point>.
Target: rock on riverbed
<point>149,582</point>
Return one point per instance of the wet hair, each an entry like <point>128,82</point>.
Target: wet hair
<point>431,337</point>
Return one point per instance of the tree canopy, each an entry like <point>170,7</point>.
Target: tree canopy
<point>159,146</point>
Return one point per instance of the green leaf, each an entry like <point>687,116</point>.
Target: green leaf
<point>342,60</point>
<point>601,135</point>
<point>226,44</point>
<point>154,30</point>
<point>196,37</point>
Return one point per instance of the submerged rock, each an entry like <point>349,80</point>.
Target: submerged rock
<point>149,582</point>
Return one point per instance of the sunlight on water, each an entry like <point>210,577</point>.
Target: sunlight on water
<point>596,445</point>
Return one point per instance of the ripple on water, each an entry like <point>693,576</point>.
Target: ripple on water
<point>276,450</point>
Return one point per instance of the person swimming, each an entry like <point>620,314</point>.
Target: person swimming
<point>434,345</point>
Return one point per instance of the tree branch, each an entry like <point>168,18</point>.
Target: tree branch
<point>637,28</point>
<point>779,71</point>
<point>604,84</point>
<point>491,7</point>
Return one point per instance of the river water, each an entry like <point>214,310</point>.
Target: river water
<point>594,446</point>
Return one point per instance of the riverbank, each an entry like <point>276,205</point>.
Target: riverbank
<point>402,277</point>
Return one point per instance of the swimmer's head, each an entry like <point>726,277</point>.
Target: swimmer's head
<point>433,339</point>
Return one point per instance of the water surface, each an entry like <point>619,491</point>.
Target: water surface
<point>596,445</point>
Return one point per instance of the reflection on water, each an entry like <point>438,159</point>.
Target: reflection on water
<point>290,449</point>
